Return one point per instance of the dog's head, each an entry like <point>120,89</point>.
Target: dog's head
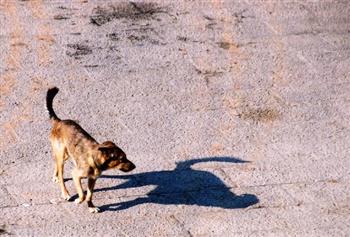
<point>112,156</point>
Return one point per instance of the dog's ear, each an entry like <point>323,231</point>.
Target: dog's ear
<point>107,147</point>
<point>108,144</point>
<point>105,150</point>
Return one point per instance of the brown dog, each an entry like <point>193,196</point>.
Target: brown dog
<point>68,139</point>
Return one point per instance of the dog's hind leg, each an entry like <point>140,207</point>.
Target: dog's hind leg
<point>60,157</point>
<point>55,174</point>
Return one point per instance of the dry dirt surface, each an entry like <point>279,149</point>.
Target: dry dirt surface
<point>236,114</point>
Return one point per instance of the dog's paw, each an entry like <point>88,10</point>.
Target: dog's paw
<point>79,200</point>
<point>94,209</point>
<point>55,179</point>
<point>66,197</point>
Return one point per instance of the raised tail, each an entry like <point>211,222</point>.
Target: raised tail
<point>49,98</point>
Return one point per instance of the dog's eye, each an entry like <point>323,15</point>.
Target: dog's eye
<point>112,155</point>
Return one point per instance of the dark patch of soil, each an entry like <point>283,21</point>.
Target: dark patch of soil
<point>3,230</point>
<point>126,10</point>
<point>135,38</point>
<point>182,38</point>
<point>61,17</point>
<point>138,36</point>
<point>113,37</point>
<point>224,45</point>
<point>91,66</point>
<point>259,115</point>
<point>78,50</point>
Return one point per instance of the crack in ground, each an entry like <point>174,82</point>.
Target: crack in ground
<point>181,225</point>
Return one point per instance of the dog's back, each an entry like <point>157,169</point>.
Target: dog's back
<point>67,135</point>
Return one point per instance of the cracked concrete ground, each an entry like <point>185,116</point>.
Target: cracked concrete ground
<point>236,114</point>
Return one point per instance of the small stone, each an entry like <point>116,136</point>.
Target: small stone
<point>53,201</point>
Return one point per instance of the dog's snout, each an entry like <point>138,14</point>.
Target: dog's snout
<point>127,167</point>
<point>132,166</point>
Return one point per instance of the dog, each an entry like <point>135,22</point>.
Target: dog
<point>90,158</point>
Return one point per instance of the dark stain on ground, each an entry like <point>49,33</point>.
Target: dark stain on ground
<point>211,23</point>
<point>125,10</point>
<point>189,40</point>
<point>240,16</point>
<point>77,50</point>
<point>60,17</point>
<point>224,45</point>
<point>209,18</point>
<point>62,7</point>
<point>138,36</point>
<point>113,48</point>
<point>228,45</point>
<point>135,38</point>
<point>208,73</point>
<point>259,115</point>
<point>113,37</point>
<point>3,230</point>
<point>20,44</point>
<point>142,38</point>
<point>90,66</point>
<point>182,38</point>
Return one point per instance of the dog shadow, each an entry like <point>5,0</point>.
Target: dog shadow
<point>183,185</point>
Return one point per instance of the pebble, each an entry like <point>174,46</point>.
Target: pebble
<point>53,201</point>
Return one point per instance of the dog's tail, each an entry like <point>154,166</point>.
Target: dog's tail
<point>49,98</point>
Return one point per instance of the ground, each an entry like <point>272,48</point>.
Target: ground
<point>236,114</point>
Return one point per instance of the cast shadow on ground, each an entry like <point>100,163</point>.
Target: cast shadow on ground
<point>183,185</point>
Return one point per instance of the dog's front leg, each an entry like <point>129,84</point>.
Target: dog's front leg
<point>76,174</point>
<point>91,184</point>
